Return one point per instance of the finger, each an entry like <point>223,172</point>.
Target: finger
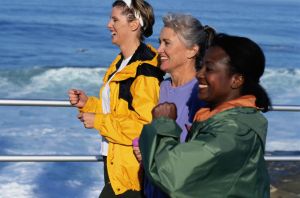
<point>139,158</point>
<point>80,117</point>
<point>71,91</point>
<point>74,101</point>
<point>79,92</point>
<point>188,127</point>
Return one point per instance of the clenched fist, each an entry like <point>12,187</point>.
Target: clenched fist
<point>166,109</point>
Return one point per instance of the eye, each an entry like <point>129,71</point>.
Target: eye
<point>114,19</point>
<point>209,67</point>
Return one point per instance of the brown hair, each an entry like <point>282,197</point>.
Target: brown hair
<point>144,9</point>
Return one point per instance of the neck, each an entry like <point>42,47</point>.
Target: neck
<point>182,75</point>
<point>129,47</point>
<point>235,94</point>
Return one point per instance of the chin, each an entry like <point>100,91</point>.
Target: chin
<point>114,41</point>
<point>202,97</point>
<point>165,68</point>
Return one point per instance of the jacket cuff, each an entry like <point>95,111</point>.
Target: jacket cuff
<point>167,127</point>
<point>98,121</point>
<point>90,103</point>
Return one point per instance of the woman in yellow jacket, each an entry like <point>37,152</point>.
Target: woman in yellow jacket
<point>130,90</point>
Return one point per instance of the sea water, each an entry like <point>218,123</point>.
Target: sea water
<point>48,47</point>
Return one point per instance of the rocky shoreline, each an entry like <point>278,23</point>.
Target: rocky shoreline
<point>285,179</point>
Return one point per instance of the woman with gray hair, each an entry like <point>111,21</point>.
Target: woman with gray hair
<point>183,41</point>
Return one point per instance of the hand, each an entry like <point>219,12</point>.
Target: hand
<point>77,98</point>
<point>136,150</point>
<point>88,119</point>
<point>166,109</point>
<point>188,127</point>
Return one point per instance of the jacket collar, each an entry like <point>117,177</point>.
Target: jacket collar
<point>244,101</point>
<point>143,54</point>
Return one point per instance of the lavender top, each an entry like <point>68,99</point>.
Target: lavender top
<point>186,100</point>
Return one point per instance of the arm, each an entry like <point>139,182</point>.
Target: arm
<point>123,128</point>
<point>92,105</point>
<point>79,99</point>
<point>167,162</point>
<point>202,162</point>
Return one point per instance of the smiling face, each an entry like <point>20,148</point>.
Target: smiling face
<point>119,26</point>
<point>172,51</point>
<point>216,83</point>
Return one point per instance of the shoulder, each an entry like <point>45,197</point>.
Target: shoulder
<point>166,82</point>
<point>144,53</point>
<point>149,70</point>
<point>238,121</point>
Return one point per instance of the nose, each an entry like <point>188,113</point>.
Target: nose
<point>200,73</point>
<point>160,48</point>
<point>109,24</point>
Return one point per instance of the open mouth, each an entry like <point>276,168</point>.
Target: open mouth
<point>163,58</point>
<point>202,86</point>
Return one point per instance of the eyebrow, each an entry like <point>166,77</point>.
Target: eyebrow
<point>164,39</point>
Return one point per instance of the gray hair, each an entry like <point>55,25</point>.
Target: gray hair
<point>190,30</point>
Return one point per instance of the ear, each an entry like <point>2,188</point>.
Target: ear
<point>193,51</point>
<point>237,81</point>
<point>134,25</point>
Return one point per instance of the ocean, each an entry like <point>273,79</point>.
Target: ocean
<point>48,47</point>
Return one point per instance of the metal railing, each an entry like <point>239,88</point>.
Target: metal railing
<point>98,158</point>
<point>40,103</point>
<point>51,158</point>
<point>65,103</point>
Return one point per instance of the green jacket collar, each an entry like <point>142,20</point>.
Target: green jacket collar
<point>250,117</point>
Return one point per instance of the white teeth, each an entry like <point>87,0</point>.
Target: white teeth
<point>202,86</point>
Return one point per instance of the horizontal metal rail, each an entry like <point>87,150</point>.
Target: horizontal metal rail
<point>285,108</point>
<point>66,103</point>
<point>51,158</point>
<point>40,103</point>
<point>282,158</point>
<point>98,158</point>
<point>86,158</point>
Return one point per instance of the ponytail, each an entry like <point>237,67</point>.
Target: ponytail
<point>263,101</point>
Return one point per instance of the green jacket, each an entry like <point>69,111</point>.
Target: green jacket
<point>223,156</point>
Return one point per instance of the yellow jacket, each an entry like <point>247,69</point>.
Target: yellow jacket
<point>134,91</point>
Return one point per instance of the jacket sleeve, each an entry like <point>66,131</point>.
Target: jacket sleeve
<point>172,165</point>
<point>123,128</point>
<point>93,105</point>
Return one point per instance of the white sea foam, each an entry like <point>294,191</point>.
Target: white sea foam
<point>14,189</point>
<point>17,180</point>
<point>283,85</point>
<point>55,82</point>
<point>283,145</point>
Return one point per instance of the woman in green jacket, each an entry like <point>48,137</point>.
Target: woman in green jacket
<point>224,152</point>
